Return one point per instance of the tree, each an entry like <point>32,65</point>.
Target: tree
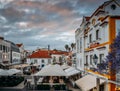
<point>72,45</point>
<point>69,49</point>
<point>66,47</point>
<point>112,62</point>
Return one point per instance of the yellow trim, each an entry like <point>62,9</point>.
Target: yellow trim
<point>112,35</point>
<point>117,88</point>
<point>101,18</point>
<point>97,73</point>
<point>112,30</point>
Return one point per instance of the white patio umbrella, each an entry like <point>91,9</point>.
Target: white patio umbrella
<point>65,66</point>
<point>71,71</point>
<point>51,70</point>
<point>14,71</point>
<point>5,73</point>
<point>1,70</point>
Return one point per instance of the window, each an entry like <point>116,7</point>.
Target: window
<point>86,60</point>
<point>35,61</point>
<point>0,47</point>
<point>80,44</point>
<point>0,57</point>
<point>3,48</point>
<point>93,22</point>
<point>91,59</point>
<point>77,45</point>
<point>43,61</point>
<point>90,38</point>
<point>113,6</point>
<point>97,34</point>
<point>101,57</point>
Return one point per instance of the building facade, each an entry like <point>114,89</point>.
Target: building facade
<point>58,56</point>
<point>15,54</point>
<point>95,35</point>
<point>4,51</point>
<point>40,57</point>
<point>22,52</point>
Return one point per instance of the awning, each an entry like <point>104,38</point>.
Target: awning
<point>51,70</point>
<point>87,82</point>
<point>64,66</point>
<point>20,66</point>
<point>9,72</point>
<point>14,71</point>
<point>71,71</point>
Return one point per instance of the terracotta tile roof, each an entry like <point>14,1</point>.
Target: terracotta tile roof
<point>87,18</point>
<point>58,52</point>
<point>47,54</point>
<point>19,45</point>
<point>40,54</point>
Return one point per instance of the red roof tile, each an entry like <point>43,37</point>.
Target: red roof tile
<point>40,54</point>
<point>58,52</point>
<point>87,18</point>
<point>46,53</point>
<point>19,45</point>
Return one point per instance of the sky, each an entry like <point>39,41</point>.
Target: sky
<point>39,23</point>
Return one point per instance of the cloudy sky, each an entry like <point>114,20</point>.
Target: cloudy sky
<point>37,23</point>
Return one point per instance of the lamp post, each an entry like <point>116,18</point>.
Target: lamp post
<point>95,59</point>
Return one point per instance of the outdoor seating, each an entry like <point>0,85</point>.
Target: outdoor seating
<point>10,81</point>
<point>43,87</point>
<point>60,87</point>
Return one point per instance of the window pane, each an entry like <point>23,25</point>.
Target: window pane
<point>91,58</point>
<point>101,57</point>
<point>90,38</point>
<point>97,35</point>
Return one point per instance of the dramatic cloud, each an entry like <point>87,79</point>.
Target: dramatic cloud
<point>38,23</point>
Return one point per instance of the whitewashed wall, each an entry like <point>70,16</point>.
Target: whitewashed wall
<point>39,61</point>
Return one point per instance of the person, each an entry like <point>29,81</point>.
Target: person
<point>25,81</point>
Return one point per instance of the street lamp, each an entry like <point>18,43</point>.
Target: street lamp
<point>95,59</point>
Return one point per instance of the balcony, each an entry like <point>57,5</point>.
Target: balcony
<point>92,45</point>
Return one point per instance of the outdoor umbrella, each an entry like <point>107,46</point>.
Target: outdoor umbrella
<point>71,71</point>
<point>1,70</point>
<point>65,66</point>
<point>51,70</point>
<point>14,71</point>
<point>5,73</point>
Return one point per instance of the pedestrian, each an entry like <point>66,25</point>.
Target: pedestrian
<point>25,81</point>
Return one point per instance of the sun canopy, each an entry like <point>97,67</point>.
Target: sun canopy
<point>87,82</point>
<point>51,70</point>
<point>71,71</point>
<point>14,71</point>
<point>8,72</point>
<point>65,66</point>
<point>4,73</point>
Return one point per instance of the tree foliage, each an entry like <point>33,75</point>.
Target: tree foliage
<point>66,47</point>
<point>112,62</point>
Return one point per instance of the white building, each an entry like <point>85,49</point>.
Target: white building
<point>4,51</point>
<point>95,35</point>
<point>58,56</point>
<point>15,54</point>
<point>40,58</point>
<point>22,52</point>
